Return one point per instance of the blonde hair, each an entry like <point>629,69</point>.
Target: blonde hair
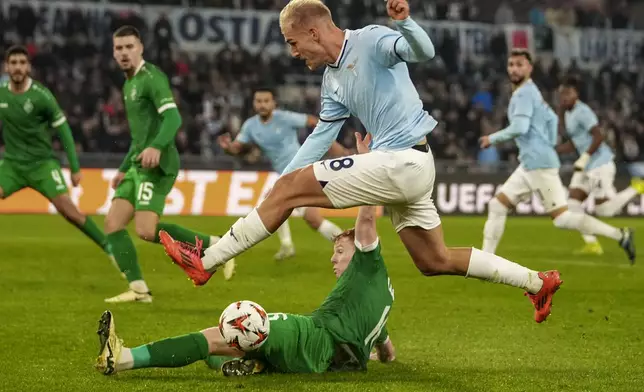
<point>302,12</point>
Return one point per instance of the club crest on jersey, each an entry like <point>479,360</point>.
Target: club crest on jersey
<point>28,106</point>
<point>3,105</point>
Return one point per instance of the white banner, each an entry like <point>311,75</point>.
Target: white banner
<point>211,29</point>
<point>592,48</point>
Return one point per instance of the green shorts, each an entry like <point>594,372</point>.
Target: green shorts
<point>44,177</point>
<point>145,190</point>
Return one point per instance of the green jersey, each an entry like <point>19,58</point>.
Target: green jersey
<point>27,122</point>
<point>147,96</point>
<point>355,312</point>
<point>295,345</point>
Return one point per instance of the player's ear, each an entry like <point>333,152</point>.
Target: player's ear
<point>315,34</point>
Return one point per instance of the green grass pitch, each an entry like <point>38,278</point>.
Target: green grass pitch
<point>451,333</point>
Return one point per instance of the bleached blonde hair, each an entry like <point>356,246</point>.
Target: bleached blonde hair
<point>302,12</point>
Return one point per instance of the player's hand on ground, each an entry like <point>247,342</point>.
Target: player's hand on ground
<point>116,181</point>
<point>484,141</point>
<point>362,145</point>
<point>398,9</point>
<point>76,179</point>
<point>150,158</point>
<point>224,141</point>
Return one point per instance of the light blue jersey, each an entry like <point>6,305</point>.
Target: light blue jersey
<point>579,122</point>
<point>277,138</point>
<point>533,126</point>
<point>370,80</point>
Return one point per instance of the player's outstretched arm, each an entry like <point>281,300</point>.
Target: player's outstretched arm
<point>316,145</point>
<point>411,44</point>
<point>519,119</point>
<point>385,352</point>
<point>366,234</point>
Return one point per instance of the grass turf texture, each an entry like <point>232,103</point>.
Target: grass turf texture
<point>451,334</point>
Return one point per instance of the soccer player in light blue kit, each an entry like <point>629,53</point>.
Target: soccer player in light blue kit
<point>533,126</point>
<point>594,174</point>
<point>366,75</point>
<point>275,131</point>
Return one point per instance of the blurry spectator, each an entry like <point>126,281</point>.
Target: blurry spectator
<point>504,14</point>
<point>25,23</point>
<point>537,15</point>
<point>470,11</point>
<point>163,36</point>
<point>620,18</point>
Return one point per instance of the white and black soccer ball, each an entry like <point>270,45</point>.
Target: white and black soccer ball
<point>244,325</point>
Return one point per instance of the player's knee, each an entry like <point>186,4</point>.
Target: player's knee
<point>568,220</point>
<point>146,231</point>
<point>496,208</point>
<point>112,224</point>
<point>434,263</point>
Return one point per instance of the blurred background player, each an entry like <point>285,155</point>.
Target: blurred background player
<point>533,125</point>
<point>338,336</point>
<point>150,168</point>
<point>595,169</point>
<point>275,132</point>
<point>28,110</point>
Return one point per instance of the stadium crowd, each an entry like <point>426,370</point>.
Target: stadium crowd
<point>469,98</point>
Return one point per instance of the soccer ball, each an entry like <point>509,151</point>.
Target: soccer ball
<point>244,325</point>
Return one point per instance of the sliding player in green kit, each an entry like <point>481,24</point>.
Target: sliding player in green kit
<point>338,336</point>
<point>151,166</point>
<point>28,112</point>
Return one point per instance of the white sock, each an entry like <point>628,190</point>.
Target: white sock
<point>125,360</point>
<point>616,203</point>
<point>245,233</point>
<point>284,234</point>
<point>574,205</point>
<point>139,286</point>
<point>497,213</point>
<point>490,267</point>
<point>329,230</point>
<point>586,224</point>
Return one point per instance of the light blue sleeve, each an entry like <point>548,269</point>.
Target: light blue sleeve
<point>410,43</point>
<point>552,126</point>
<point>244,136</point>
<point>293,119</point>
<point>521,112</point>
<point>587,119</point>
<point>332,116</point>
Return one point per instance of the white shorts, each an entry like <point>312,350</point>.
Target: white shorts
<point>400,180</point>
<point>598,182</point>
<point>546,183</point>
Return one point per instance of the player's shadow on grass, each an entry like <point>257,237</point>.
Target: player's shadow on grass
<point>398,373</point>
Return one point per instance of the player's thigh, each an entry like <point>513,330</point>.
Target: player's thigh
<point>547,184</point>
<point>47,179</point>
<point>376,178</point>
<point>427,249</point>
<point>516,188</point>
<point>11,180</point>
<point>421,213</point>
<point>603,181</point>
<point>122,208</point>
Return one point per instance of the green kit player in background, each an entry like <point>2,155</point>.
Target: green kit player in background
<point>28,112</point>
<point>338,336</point>
<point>151,166</point>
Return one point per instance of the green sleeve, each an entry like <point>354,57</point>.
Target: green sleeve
<point>70,147</point>
<point>384,335</point>
<point>127,162</point>
<point>163,100</point>
<point>171,121</point>
<point>53,112</point>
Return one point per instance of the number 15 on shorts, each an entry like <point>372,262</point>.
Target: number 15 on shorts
<point>145,193</point>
